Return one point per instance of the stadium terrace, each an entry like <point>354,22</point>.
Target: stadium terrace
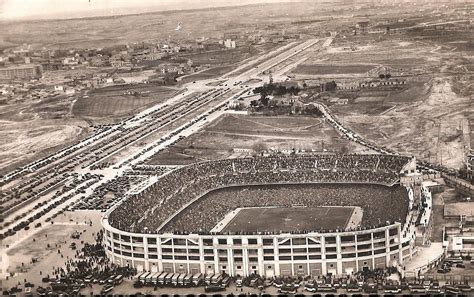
<point>181,223</point>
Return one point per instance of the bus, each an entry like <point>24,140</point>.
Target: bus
<point>118,279</point>
<point>208,278</point>
<point>143,277</point>
<point>155,279</point>
<point>216,278</point>
<point>197,279</point>
<point>452,290</point>
<point>225,282</point>
<point>161,279</point>
<point>168,278</point>
<point>188,280</point>
<point>181,279</point>
<point>174,280</point>
<point>148,279</point>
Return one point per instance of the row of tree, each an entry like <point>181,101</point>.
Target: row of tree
<point>275,90</point>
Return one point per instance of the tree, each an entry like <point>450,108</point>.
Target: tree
<point>297,109</point>
<point>330,86</point>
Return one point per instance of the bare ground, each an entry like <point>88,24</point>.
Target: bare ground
<point>230,134</point>
<point>429,129</point>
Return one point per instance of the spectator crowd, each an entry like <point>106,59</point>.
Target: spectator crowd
<point>373,199</point>
<point>155,207</point>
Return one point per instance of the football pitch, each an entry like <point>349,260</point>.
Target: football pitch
<point>287,219</point>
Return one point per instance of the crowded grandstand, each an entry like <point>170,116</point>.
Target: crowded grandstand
<point>183,200</point>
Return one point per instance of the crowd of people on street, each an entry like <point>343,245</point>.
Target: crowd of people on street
<point>89,265</point>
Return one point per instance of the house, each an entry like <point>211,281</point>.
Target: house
<point>59,88</point>
<point>369,84</point>
<point>347,85</point>
<point>25,71</point>
<point>99,61</point>
<point>229,43</point>
<point>171,68</point>
<point>362,27</point>
<point>120,60</point>
<point>70,61</point>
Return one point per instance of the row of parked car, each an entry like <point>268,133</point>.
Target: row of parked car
<point>70,286</point>
<point>451,262</point>
<point>212,282</point>
<point>425,287</point>
<point>369,285</point>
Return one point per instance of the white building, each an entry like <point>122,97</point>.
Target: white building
<point>229,43</point>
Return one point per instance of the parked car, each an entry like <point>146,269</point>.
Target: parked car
<point>107,288</point>
<point>287,289</point>
<point>213,288</point>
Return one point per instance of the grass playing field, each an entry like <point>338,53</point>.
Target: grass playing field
<point>113,102</point>
<point>285,219</point>
<point>208,73</point>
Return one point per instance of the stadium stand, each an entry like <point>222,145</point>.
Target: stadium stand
<point>156,207</point>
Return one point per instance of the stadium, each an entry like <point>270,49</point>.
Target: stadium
<point>279,215</point>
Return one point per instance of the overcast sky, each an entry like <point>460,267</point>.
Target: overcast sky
<point>43,9</point>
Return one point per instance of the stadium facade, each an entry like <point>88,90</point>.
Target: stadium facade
<point>267,254</point>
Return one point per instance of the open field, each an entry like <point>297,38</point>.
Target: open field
<point>459,209</point>
<point>316,69</point>
<point>232,133</point>
<point>276,219</point>
<point>31,129</point>
<point>109,31</point>
<point>207,74</point>
<point>360,108</point>
<point>112,102</point>
<point>385,55</point>
<point>429,128</point>
<point>220,57</point>
<point>21,142</point>
<point>426,116</point>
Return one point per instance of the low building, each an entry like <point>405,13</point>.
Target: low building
<point>25,71</point>
<point>362,27</point>
<point>119,60</point>
<point>229,43</point>
<point>347,85</point>
<point>59,88</point>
